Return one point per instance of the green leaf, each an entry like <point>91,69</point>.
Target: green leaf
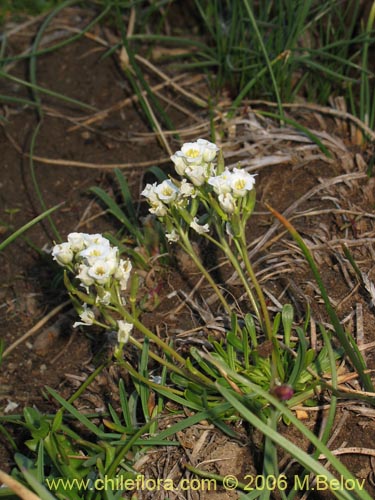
<point>126,196</point>
<point>27,226</point>
<point>78,415</point>
<point>287,318</point>
<point>345,339</point>
<point>158,173</point>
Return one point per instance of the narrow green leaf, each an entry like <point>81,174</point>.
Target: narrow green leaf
<point>78,415</point>
<point>353,354</point>
<point>27,226</point>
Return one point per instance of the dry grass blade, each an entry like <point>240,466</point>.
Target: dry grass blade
<point>171,82</point>
<point>101,115</point>
<point>351,450</point>
<point>167,81</point>
<point>20,490</point>
<point>324,110</point>
<point>312,192</point>
<point>370,287</point>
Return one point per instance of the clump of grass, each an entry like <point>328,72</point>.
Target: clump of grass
<point>307,48</point>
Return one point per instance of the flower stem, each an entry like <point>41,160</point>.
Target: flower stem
<point>237,267</point>
<point>143,329</point>
<point>240,242</point>
<point>242,249</point>
<point>186,371</point>
<point>186,245</point>
<point>143,379</point>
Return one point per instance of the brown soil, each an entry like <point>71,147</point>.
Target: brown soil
<point>56,356</point>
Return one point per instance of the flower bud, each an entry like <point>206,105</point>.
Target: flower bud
<point>283,392</point>
<point>62,254</point>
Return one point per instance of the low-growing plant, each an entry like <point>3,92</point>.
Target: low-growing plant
<point>258,372</point>
<point>233,379</point>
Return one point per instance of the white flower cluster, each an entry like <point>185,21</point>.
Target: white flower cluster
<point>231,185</point>
<point>195,161</point>
<point>94,260</point>
<point>162,195</point>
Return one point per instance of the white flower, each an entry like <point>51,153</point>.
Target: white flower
<point>179,162</point>
<point>236,183</point>
<point>187,190</point>
<point>10,406</point>
<point>94,252</point>
<point>193,152</point>
<point>197,174</point>
<point>158,194</point>
<point>158,209</point>
<point>123,332</point>
<point>95,239</point>
<point>209,150</point>
<point>227,202</point>
<point>166,191</point>
<point>221,183</point>
<point>123,272</point>
<point>84,277</point>
<point>149,192</point>
<point>173,236</point>
<point>200,229</point>
<point>194,160</point>
<point>241,182</point>
<point>77,241</point>
<point>87,316</point>
<point>62,254</point>
<point>100,271</point>
<point>111,258</point>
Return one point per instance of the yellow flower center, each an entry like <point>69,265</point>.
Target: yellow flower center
<point>100,271</point>
<point>192,153</point>
<point>167,191</point>
<point>240,184</point>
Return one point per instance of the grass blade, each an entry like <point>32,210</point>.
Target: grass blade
<point>353,354</point>
<point>51,93</point>
<point>79,416</point>
<point>126,196</point>
<point>27,226</point>
<point>113,208</point>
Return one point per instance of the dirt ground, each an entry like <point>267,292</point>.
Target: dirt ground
<point>330,200</point>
